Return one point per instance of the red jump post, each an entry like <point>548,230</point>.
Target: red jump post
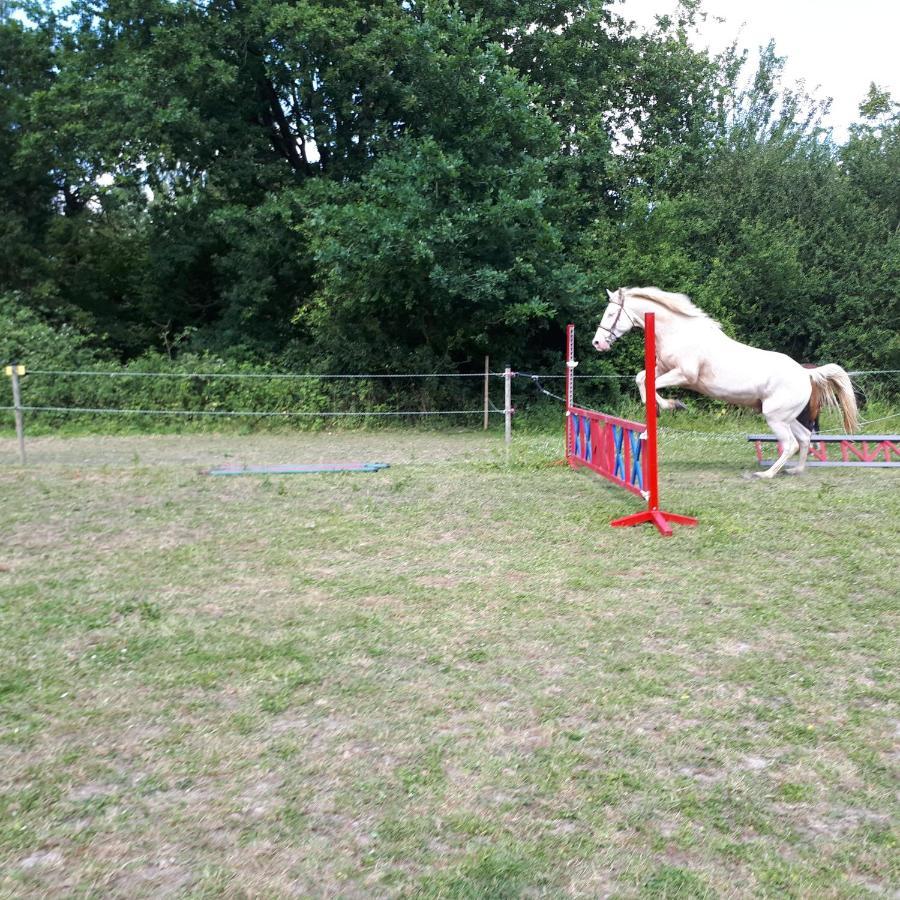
<point>620,450</point>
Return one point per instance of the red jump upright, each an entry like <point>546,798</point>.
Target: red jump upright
<point>622,451</point>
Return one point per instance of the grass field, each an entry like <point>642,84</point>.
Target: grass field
<point>448,679</point>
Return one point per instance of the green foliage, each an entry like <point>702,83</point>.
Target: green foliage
<point>25,337</point>
<point>777,240</point>
<point>420,270</point>
<point>351,186</point>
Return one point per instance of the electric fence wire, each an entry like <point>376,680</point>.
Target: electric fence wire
<point>259,414</point>
<point>293,376</point>
<point>359,375</point>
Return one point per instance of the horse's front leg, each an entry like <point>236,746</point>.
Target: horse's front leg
<point>641,381</point>
<point>662,402</point>
<point>676,377</point>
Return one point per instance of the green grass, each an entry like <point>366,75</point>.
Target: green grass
<point>447,679</point>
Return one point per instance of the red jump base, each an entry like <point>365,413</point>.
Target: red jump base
<point>658,517</point>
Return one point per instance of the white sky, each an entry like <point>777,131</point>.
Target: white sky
<point>836,47</point>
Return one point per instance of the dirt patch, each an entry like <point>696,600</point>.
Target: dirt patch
<point>92,790</point>
<point>163,876</point>
<point>42,859</point>
<point>734,648</point>
<point>754,763</point>
<point>261,797</point>
<point>439,581</point>
<point>833,825</point>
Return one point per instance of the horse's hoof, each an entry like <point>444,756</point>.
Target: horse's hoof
<point>795,470</point>
<point>677,404</point>
<point>764,475</point>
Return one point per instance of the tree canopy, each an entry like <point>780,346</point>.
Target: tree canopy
<point>334,184</point>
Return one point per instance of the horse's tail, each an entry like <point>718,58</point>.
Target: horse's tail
<point>832,387</point>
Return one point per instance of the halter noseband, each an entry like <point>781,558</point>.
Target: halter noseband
<point>620,301</point>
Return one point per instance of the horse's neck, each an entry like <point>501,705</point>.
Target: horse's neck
<point>669,326</point>
<point>664,319</point>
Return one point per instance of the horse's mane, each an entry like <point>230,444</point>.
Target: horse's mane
<point>677,303</point>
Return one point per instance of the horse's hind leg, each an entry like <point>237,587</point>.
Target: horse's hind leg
<point>803,435</point>
<point>789,446</point>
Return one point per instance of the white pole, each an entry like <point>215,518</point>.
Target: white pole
<point>507,403</point>
<point>487,394</point>
<point>17,409</point>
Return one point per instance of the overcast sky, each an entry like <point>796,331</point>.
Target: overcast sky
<point>834,45</point>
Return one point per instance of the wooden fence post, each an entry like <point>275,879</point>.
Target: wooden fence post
<point>14,371</point>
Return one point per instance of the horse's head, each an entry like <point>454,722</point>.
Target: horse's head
<point>616,321</point>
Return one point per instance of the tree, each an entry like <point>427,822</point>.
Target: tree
<point>410,184</point>
<point>28,187</point>
<point>448,246</point>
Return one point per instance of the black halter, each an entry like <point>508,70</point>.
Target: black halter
<point>620,300</point>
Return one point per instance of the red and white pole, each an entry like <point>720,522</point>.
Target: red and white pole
<point>651,470</point>
<point>570,389</point>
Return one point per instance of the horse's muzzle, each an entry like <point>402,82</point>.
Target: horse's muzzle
<point>600,345</point>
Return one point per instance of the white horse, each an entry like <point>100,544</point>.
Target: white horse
<point>692,351</point>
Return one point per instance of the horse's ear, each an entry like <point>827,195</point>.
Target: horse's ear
<point>610,294</point>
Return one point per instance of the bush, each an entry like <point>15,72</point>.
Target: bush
<point>26,338</point>
<point>64,372</point>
